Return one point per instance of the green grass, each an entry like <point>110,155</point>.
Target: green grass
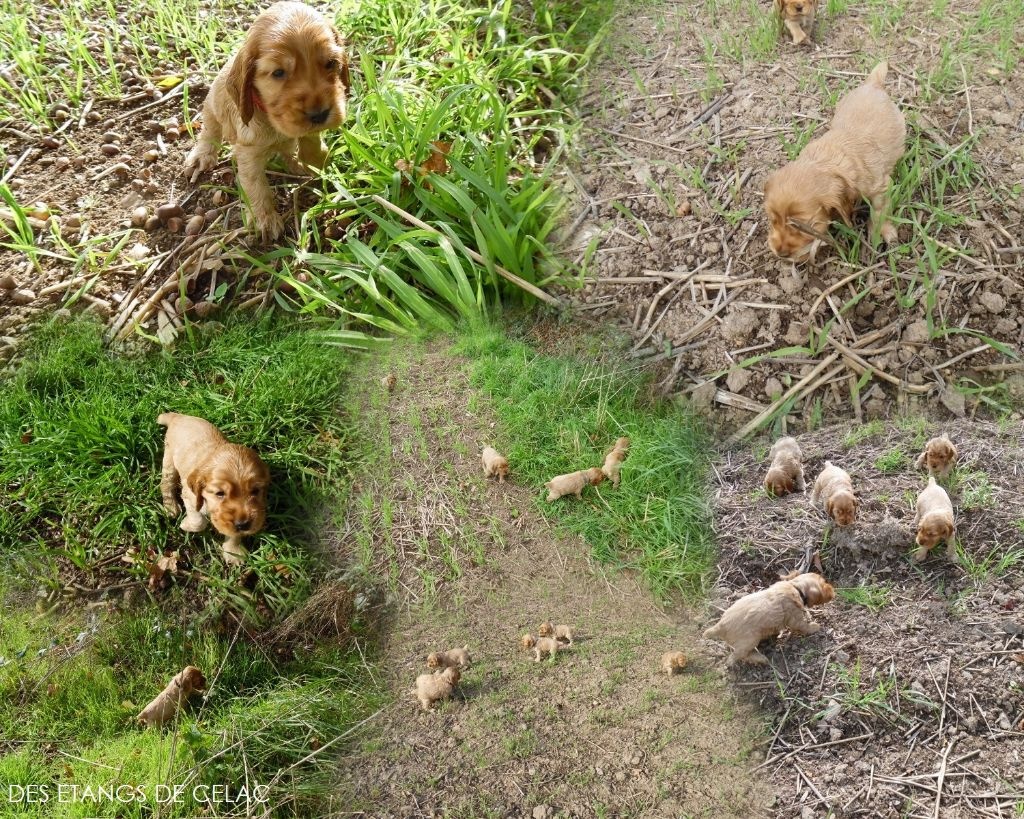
<point>558,415</point>
<point>857,435</point>
<point>894,460</point>
<point>995,563</point>
<point>873,598</point>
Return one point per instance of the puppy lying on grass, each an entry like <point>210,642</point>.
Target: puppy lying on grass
<point>934,521</point>
<point>835,490</point>
<point>495,464</point>
<point>613,461</point>
<point>542,646</point>
<point>786,474</point>
<point>454,657</point>
<point>433,687</point>
<point>164,706</point>
<point>672,662</point>
<point>573,483</point>
<point>939,457</point>
<point>853,160</point>
<point>561,633</point>
<point>764,614</point>
<point>224,481</point>
<point>798,18</point>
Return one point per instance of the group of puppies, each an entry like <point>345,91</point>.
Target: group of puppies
<point>784,604</point>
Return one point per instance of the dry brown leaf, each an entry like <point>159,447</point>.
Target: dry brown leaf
<point>158,570</point>
<point>437,162</point>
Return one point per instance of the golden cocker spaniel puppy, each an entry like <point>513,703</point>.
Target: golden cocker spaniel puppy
<point>764,614</point>
<point>613,460</point>
<point>574,483</point>
<point>834,489</point>
<point>934,521</point>
<point>437,686</point>
<point>853,160</point>
<point>164,706</point>
<point>939,456</point>
<point>286,84</point>
<point>224,482</point>
<point>798,18</point>
<point>786,473</point>
<point>494,463</point>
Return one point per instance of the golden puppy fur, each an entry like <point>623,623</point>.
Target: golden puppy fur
<point>939,457</point>
<point>835,490</point>
<point>672,662</point>
<point>934,521</point>
<point>798,18</point>
<point>613,461</point>
<point>764,614</point>
<point>388,382</point>
<point>561,633</point>
<point>286,84</point>
<point>573,483</point>
<point>542,646</point>
<point>853,160</point>
<point>458,657</point>
<point>433,687</point>
<point>495,464</point>
<point>786,474</point>
<point>165,705</point>
<point>224,481</point>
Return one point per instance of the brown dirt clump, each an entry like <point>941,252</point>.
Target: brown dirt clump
<point>916,683</point>
<point>471,562</point>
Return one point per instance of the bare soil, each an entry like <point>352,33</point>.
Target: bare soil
<point>598,731</point>
<point>883,708</point>
<point>677,143</point>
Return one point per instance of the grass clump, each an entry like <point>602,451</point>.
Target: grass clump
<point>873,598</point>
<point>558,415</point>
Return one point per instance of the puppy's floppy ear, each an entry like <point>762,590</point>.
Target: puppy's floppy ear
<point>243,69</point>
<point>840,197</point>
<point>197,483</point>
<point>346,80</point>
<point>947,530</point>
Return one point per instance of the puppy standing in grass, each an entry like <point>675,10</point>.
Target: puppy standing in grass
<point>764,614</point>
<point>286,84</point>
<point>613,461</point>
<point>853,160</point>
<point>574,483</point>
<point>224,481</point>
<point>457,657</point>
<point>433,687</point>
<point>934,521</point>
<point>494,463</point>
<point>798,17</point>
<point>835,490</point>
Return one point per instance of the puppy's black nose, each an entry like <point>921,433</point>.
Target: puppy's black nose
<point>243,525</point>
<point>319,117</point>
<point>799,7</point>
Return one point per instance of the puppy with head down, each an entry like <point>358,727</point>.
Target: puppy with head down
<point>433,687</point>
<point>495,464</point>
<point>835,490</point>
<point>853,160</point>
<point>457,657</point>
<point>542,646</point>
<point>798,18</point>
<point>764,614</point>
<point>285,85</point>
<point>613,461</point>
<point>561,633</point>
<point>939,457</point>
<point>786,473</point>
<point>219,481</point>
<point>934,521</point>
<point>672,662</point>
<point>573,483</point>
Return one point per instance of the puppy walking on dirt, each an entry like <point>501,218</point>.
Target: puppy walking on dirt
<point>835,490</point>
<point>494,463</point>
<point>433,687</point>
<point>798,18</point>
<point>786,474</point>
<point>542,646</point>
<point>939,457</point>
<point>853,160</point>
<point>457,657</point>
<point>934,521</point>
<point>286,84</point>
<point>224,481</point>
<point>764,614</point>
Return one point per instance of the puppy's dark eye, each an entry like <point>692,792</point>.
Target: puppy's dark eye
<point>219,493</point>
<point>332,65</point>
<point>278,74</point>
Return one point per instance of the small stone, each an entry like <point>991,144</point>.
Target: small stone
<point>140,216</point>
<point>109,150</point>
<point>168,211</point>
<point>1003,118</point>
<point>205,309</point>
<point>971,724</point>
<point>110,137</point>
<point>152,155</point>
<point>620,776</point>
<point>832,710</point>
<point>737,380</point>
<point>954,401</point>
<point>194,225</point>
<point>152,223</point>
<point>916,333</point>
<point>835,734</point>
<point>1004,722</point>
<point>171,134</point>
<point>684,208</point>
<point>219,197</point>
<point>23,296</point>
<point>50,142</point>
<point>703,397</point>
<point>79,162</point>
<point>137,252</point>
<point>542,812</point>
<point>662,112</point>
<point>992,302</point>
<point>773,388</point>
<point>175,224</point>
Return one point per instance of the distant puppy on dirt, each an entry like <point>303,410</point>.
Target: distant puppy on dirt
<point>835,490</point>
<point>433,687</point>
<point>388,382</point>
<point>786,474</point>
<point>542,646</point>
<point>613,461</point>
<point>939,457</point>
<point>495,464</point>
<point>853,160</point>
<point>934,521</point>
<point>573,483</point>
<point>561,633</point>
<point>286,84</point>
<point>224,481</point>
<point>798,17</point>
<point>764,614</point>
<point>672,662</point>
<point>457,657</point>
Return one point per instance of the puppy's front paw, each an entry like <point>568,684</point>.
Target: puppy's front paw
<point>194,523</point>
<point>234,552</point>
<point>919,554</point>
<point>812,628</point>
<point>172,507</point>
<point>202,158</point>
<point>889,233</point>
<point>268,224</point>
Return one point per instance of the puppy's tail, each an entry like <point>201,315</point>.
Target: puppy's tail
<point>877,75</point>
<point>714,632</point>
<point>165,419</point>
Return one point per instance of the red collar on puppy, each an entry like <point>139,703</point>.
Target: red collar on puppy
<point>256,101</point>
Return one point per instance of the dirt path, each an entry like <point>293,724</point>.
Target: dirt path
<point>598,732</point>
